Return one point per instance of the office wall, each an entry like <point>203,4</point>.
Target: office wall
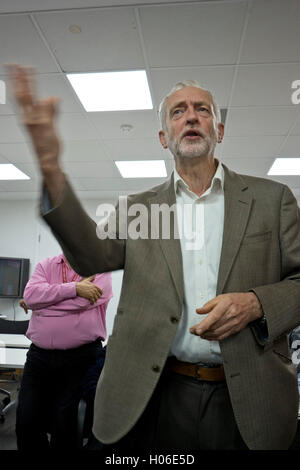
<point>24,234</point>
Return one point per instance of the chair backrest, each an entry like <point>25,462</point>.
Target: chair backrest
<point>13,326</point>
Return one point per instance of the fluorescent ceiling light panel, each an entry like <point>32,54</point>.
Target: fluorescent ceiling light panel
<point>285,166</point>
<point>112,91</point>
<point>142,168</point>
<point>11,172</point>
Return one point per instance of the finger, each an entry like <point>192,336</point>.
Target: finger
<point>212,318</point>
<point>97,290</point>
<point>230,327</point>
<point>48,107</point>
<point>90,278</point>
<point>22,85</point>
<point>207,307</point>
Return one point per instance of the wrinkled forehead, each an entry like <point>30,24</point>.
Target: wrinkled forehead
<point>189,95</point>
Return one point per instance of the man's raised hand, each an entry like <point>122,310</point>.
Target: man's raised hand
<point>38,117</point>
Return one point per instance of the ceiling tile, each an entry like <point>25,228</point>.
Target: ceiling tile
<point>249,166</point>
<point>55,84</point>
<point>82,151</point>
<point>265,38</point>
<point>3,159</point>
<point>22,186</point>
<point>76,184</point>
<point>108,40</point>
<point>260,121</point>
<point>136,149</point>
<point>30,169</point>
<point>104,169</point>
<point>291,147</point>
<point>37,5</point>
<point>144,124</point>
<point>76,126</point>
<point>11,130</point>
<point>217,79</point>
<point>19,195</point>
<point>19,152</point>
<point>188,35</point>
<point>296,128</point>
<point>58,85</point>
<point>23,45</point>
<point>265,85</point>
<point>120,184</point>
<point>250,146</point>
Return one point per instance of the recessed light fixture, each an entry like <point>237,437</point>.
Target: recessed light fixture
<point>285,166</point>
<point>126,128</point>
<point>112,91</point>
<point>142,168</point>
<point>8,171</point>
<point>75,29</point>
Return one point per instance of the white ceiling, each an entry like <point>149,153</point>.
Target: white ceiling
<point>246,51</point>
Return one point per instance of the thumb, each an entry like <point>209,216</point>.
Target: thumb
<point>91,278</point>
<point>53,103</point>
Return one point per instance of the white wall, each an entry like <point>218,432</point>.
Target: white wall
<point>24,234</point>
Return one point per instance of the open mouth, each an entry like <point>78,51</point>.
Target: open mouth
<point>192,135</point>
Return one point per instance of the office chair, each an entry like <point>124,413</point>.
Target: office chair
<point>17,328</point>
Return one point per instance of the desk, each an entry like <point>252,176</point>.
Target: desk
<point>14,341</point>
<point>13,358</point>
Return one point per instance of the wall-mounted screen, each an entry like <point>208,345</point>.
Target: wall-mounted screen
<point>13,276</point>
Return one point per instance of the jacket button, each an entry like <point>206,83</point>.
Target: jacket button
<point>174,319</point>
<point>155,368</point>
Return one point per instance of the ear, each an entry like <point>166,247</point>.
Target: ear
<point>220,132</point>
<point>162,139</point>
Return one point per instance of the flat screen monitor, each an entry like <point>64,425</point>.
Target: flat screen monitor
<point>13,276</point>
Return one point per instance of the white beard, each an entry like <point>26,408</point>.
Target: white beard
<point>183,149</point>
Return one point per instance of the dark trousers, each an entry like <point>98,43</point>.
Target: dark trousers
<point>50,391</point>
<point>185,414</point>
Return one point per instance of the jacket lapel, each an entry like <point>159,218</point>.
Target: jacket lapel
<point>238,203</point>
<point>170,246</point>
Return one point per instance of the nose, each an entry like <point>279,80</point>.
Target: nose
<point>191,116</point>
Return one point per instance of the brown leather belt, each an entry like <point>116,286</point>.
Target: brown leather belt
<point>211,374</point>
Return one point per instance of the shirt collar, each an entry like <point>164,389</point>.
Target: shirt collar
<point>60,259</point>
<point>218,177</point>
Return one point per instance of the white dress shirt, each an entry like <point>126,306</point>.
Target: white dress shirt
<point>201,258</point>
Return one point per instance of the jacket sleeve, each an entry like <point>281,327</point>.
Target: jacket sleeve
<point>76,232</point>
<point>281,301</point>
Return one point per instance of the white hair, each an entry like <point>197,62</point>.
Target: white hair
<point>179,86</point>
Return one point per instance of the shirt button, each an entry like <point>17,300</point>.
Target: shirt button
<point>201,295</point>
<point>155,368</point>
<point>174,319</point>
<point>200,261</point>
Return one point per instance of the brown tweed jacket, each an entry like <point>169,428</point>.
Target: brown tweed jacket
<point>260,252</point>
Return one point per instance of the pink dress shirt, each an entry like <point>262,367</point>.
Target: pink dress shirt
<point>60,319</point>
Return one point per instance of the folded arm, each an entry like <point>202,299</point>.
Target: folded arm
<point>79,304</point>
<point>39,293</point>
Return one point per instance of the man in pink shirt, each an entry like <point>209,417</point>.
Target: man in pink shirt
<point>66,328</point>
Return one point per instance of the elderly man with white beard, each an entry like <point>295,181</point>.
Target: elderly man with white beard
<point>198,357</point>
